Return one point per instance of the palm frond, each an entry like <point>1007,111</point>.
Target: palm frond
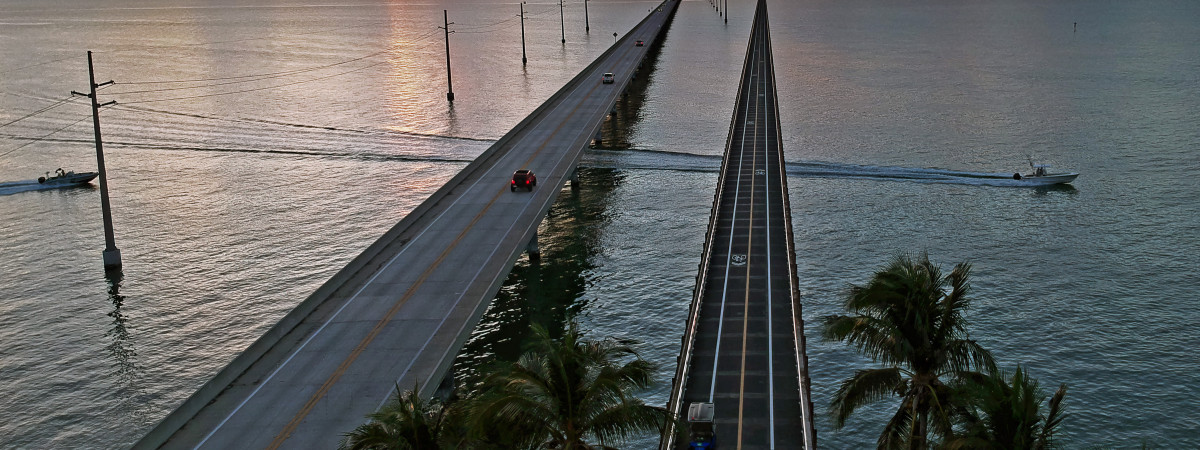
<point>1054,418</point>
<point>863,388</point>
<point>898,431</point>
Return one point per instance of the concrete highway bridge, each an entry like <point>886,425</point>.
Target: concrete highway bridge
<point>398,314</point>
<point>743,348</point>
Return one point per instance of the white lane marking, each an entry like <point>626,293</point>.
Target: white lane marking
<point>770,334</point>
<point>486,175</point>
<point>729,253</point>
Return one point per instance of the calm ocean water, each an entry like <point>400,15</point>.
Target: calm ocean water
<point>291,135</point>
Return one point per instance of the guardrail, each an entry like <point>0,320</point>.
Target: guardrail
<point>806,406</point>
<point>679,382</point>
<point>209,391</point>
<point>447,360</point>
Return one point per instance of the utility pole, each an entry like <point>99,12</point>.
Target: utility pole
<point>112,255</point>
<point>587,27</point>
<point>726,11</point>
<point>563,21</point>
<point>523,58</point>
<point>449,80</point>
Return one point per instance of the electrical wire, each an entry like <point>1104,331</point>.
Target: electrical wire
<point>254,78</point>
<point>45,136</point>
<point>38,64</point>
<point>255,89</point>
<point>197,44</point>
<point>55,105</point>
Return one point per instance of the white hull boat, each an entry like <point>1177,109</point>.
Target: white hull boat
<point>1041,176</point>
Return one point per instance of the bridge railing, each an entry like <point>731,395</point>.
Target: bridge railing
<point>211,389</point>
<point>687,346</point>
<point>806,405</point>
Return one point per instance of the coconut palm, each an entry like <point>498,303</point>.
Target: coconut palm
<point>569,393</point>
<point>905,318</point>
<point>1000,415</point>
<point>405,422</point>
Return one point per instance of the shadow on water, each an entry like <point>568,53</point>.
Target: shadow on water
<point>627,113</point>
<point>127,373</point>
<point>548,292</point>
<point>1042,191</point>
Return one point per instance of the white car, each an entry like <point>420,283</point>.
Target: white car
<point>607,78</point>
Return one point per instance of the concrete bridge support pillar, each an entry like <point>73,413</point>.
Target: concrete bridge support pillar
<point>575,178</point>
<point>535,253</point>
<point>446,387</point>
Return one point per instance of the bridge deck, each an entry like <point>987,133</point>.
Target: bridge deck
<point>744,348</point>
<point>398,314</point>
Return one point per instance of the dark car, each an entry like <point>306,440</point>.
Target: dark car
<point>639,43</point>
<point>524,179</point>
<point>700,426</point>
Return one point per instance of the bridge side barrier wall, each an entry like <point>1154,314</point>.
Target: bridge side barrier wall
<point>224,378</point>
<point>806,405</point>
<point>679,382</point>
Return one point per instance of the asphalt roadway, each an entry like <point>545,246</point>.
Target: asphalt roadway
<point>744,348</point>
<point>399,313</point>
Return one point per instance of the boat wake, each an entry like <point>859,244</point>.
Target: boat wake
<point>16,187</point>
<point>893,173</point>
<point>660,160</point>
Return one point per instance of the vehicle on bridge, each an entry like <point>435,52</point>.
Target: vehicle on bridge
<point>639,43</point>
<point>523,178</point>
<point>607,78</point>
<point>700,426</point>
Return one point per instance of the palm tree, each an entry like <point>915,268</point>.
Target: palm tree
<point>905,318</point>
<point>1000,415</point>
<point>566,392</point>
<point>405,422</point>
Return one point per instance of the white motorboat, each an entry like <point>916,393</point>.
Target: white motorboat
<point>66,178</point>
<point>1041,176</point>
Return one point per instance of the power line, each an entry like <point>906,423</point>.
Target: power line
<point>143,48</point>
<point>45,136</point>
<point>255,89</point>
<point>256,77</point>
<point>55,105</point>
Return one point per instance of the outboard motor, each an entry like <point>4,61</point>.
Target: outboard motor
<point>1017,176</point>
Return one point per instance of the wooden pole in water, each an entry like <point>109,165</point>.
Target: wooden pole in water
<point>523,58</point>
<point>112,255</point>
<point>449,79</point>
<point>562,20</point>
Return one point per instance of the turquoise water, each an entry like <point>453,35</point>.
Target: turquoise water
<point>231,208</point>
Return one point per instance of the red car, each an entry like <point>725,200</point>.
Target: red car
<point>523,178</point>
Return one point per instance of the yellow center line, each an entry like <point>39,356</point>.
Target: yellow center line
<point>378,328</point>
<point>749,249</point>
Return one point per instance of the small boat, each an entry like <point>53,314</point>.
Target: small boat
<point>66,178</point>
<point>1041,176</point>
